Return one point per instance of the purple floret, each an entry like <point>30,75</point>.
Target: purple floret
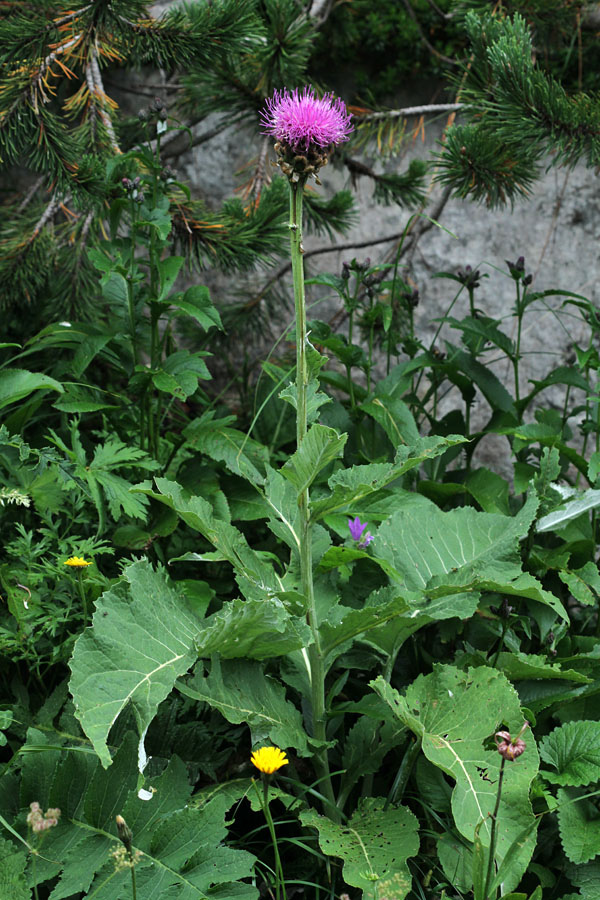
<point>356,528</point>
<point>366,540</point>
<point>302,120</point>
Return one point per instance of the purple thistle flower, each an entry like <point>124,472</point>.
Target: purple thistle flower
<point>304,121</point>
<point>356,532</point>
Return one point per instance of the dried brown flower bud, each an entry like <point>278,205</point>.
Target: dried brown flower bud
<point>510,747</point>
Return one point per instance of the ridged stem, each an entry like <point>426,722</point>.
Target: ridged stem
<point>315,655</point>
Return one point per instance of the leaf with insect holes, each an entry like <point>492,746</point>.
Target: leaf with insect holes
<point>439,709</point>
<point>374,845</point>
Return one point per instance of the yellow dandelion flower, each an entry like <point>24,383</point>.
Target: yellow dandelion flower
<point>269,759</point>
<point>76,562</point>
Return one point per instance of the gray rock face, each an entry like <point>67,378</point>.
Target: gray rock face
<point>556,229</point>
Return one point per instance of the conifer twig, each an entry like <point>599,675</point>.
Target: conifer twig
<point>410,111</point>
<point>47,62</point>
<point>70,16</point>
<point>31,193</point>
<point>94,79</point>
<point>45,217</point>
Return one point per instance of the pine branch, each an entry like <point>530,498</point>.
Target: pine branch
<point>405,190</point>
<point>518,115</point>
<point>96,88</point>
<point>236,238</point>
<point>364,115</point>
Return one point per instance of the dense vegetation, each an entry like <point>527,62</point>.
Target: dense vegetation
<point>271,630</point>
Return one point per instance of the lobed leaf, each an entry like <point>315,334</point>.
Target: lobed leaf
<point>573,751</point>
<point>142,639</point>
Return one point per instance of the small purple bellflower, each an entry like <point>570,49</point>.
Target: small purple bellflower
<point>356,533</point>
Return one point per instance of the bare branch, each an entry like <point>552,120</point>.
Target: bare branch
<point>45,217</point>
<point>410,111</point>
<point>94,79</point>
<point>430,47</point>
<point>30,193</point>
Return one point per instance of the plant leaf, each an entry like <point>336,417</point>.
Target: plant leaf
<point>439,709</point>
<point>573,750</point>
<point>579,825</point>
<point>374,845</point>
<point>142,639</point>
<point>256,629</point>
<point>242,692</point>
<point>320,446</point>
<point>16,384</point>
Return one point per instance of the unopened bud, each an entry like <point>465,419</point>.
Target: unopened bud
<point>125,833</point>
<point>510,747</point>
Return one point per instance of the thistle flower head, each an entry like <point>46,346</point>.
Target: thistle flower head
<point>269,759</point>
<point>304,121</point>
<point>76,562</point>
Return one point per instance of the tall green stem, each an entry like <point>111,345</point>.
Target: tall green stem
<point>348,366</point>
<point>490,868</point>
<point>279,880</point>
<point>133,884</point>
<point>130,285</point>
<point>83,597</point>
<point>315,654</point>
<point>517,356</point>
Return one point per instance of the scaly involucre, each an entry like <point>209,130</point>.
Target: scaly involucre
<point>302,120</point>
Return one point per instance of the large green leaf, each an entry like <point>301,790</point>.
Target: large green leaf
<point>454,714</point>
<point>584,583</point>
<point>390,636</point>
<point>350,486</point>
<point>374,846</point>
<point>242,692</point>
<point>256,629</point>
<point>142,639</point>
<point>579,825</point>
<point>180,373</point>
<point>519,666</point>
<point>336,636</point>
<point>256,577</point>
<point>196,302</point>
<point>16,384</point>
<point>436,551</point>
<point>588,879</point>
<point>216,438</point>
<point>394,416</point>
<point>12,867</point>
<point>573,751</point>
<point>579,504</point>
<point>181,849</point>
<point>319,447</point>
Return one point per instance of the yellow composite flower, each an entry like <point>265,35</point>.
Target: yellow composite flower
<point>76,562</point>
<point>269,759</point>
